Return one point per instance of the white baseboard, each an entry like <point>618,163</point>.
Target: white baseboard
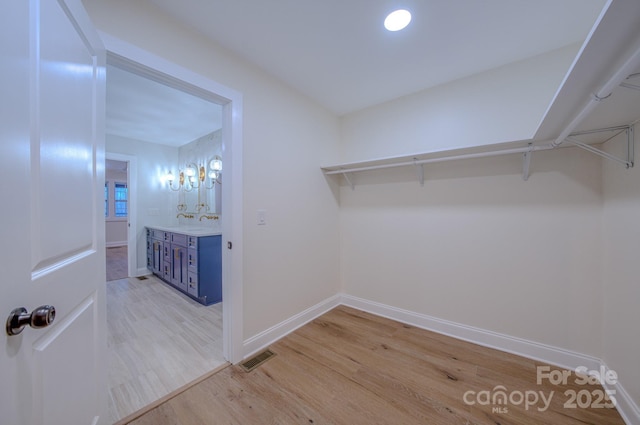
<point>627,407</point>
<point>276,332</point>
<point>522,347</point>
<point>115,244</point>
<point>142,272</point>
<point>545,353</point>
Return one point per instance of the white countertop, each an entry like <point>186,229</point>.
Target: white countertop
<point>190,230</point>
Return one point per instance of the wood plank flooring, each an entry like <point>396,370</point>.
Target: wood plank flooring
<point>117,263</point>
<point>351,367</point>
<point>158,341</point>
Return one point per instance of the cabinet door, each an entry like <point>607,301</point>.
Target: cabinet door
<point>179,266</point>
<point>158,257</point>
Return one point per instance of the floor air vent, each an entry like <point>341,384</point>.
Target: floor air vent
<point>142,278</point>
<point>256,361</point>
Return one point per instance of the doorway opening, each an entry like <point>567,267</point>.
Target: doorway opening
<point>116,216</point>
<point>149,174</point>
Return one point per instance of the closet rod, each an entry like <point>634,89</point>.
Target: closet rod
<point>627,69</point>
<point>444,158</point>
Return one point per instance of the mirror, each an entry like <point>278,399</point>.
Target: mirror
<point>201,175</point>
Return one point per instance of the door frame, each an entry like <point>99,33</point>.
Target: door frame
<point>132,58</point>
<point>132,205</point>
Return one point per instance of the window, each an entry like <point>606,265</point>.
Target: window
<point>106,199</point>
<point>120,200</point>
<point>116,197</point>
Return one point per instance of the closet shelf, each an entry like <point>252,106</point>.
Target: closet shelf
<point>625,77</point>
<point>419,160</point>
<point>526,148</point>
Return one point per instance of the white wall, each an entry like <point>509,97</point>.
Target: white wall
<point>500,105</point>
<point>479,246</point>
<point>621,269</point>
<point>155,204</point>
<point>291,263</point>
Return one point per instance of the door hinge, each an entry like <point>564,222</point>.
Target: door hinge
<point>229,244</point>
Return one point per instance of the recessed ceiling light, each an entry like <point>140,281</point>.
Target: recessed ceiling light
<point>397,20</point>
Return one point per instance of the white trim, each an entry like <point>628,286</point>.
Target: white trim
<point>116,244</point>
<point>147,64</point>
<point>625,404</point>
<point>132,218</point>
<point>142,272</point>
<point>282,329</point>
<point>522,347</point>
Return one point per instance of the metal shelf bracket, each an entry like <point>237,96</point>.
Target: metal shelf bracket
<point>346,177</point>
<point>630,147</point>
<point>526,162</point>
<point>420,169</point>
<point>628,162</point>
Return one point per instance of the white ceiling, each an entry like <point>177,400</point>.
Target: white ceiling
<point>338,53</point>
<point>142,109</point>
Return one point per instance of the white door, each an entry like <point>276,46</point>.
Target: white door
<point>52,213</point>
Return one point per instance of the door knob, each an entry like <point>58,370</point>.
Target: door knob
<point>39,318</point>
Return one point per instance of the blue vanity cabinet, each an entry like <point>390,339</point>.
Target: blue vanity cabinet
<point>192,264</point>
<point>204,264</point>
<point>155,251</point>
<point>178,261</point>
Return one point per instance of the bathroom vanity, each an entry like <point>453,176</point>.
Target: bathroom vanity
<point>189,259</point>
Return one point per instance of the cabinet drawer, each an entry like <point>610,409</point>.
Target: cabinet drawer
<point>179,239</point>
<point>166,251</point>
<point>192,242</point>
<point>166,271</point>
<point>192,284</point>
<point>192,259</point>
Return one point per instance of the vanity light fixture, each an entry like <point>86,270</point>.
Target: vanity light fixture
<point>215,169</point>
<point>397,20</point>
<point>193,176</point>
<point>216,163</point>
<point>186,180</point>
<point>169,178</point>
<point>193,183</point>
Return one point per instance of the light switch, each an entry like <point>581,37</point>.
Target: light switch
<point>262,217</point>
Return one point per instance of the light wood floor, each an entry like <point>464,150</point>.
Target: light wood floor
<point>117,263</point>
<point>350,367</point>
<point>158,340</point>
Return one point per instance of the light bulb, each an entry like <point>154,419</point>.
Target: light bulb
<point>397,20</point>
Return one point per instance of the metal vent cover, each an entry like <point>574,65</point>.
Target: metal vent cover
<point>142,278</point>
<point>257,360</point>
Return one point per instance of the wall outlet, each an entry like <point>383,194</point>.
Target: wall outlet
<point>261,217</point>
